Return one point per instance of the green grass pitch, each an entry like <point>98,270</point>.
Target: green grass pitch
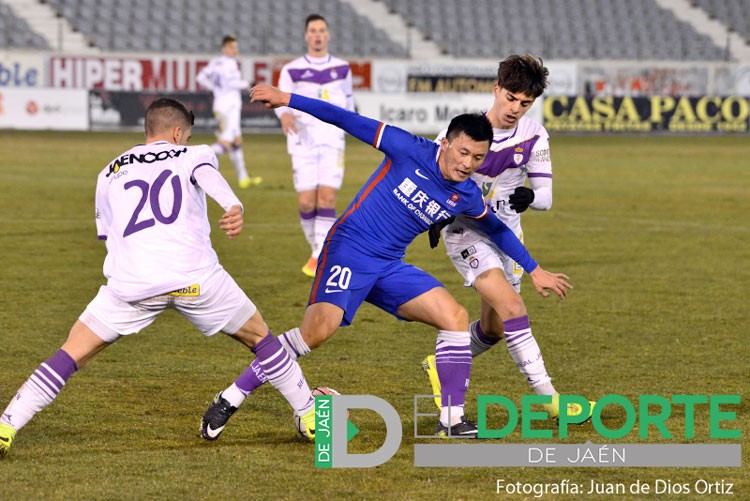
<point>654,232</point>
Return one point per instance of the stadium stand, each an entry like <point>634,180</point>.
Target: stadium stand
<point>735,14</point>
<point>574,29</point>
<point>196,26</point>
<point>15,32</point>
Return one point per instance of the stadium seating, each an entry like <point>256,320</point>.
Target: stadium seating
<point>735,14</point>
<point>196,26</point>
<point>574,29</point>
<point>15,32</point>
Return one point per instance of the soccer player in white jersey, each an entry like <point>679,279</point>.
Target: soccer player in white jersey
<point>222,76</point>
<point>151,210</point>
<point>519,152</point>
<point>316,148</point>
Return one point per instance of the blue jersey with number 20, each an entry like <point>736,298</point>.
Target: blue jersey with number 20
<point>361,259</point>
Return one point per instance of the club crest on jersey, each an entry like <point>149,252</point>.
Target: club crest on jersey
<point>518,156</point>
<point>453,200</point>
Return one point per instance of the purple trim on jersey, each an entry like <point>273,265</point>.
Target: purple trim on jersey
<point>540,174</point>
<point>498,161</point>
<point>498,141</point>
<point>321,77</point>
<point>192,179</point>
<point>101,237</point>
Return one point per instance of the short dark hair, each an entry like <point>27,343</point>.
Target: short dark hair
<point>228,39</point>
<point>525,74</point>
<point>474,125</point>
<point>165,113</point>
<point>314,17</point>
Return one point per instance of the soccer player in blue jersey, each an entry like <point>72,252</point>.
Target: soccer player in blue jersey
<point>418,184</point>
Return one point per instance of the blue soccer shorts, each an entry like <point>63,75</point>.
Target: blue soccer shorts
<point>347,278</point>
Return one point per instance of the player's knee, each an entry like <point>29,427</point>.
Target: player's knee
<point>252,331</point>
<point>327,200</point>
<point>315,337</point>
<point>514,308</point>
<point>456,318</point>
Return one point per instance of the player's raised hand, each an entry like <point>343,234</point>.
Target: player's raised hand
<point>231,222</point>
<point>543,281</point>
<point>270,95</point>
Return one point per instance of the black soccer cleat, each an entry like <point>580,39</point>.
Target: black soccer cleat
<point>463,429</point>
<point>216,417</point>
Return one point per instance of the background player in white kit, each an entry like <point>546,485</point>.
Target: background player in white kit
<point>222,76</point>
<point>316,148</point>
<point>520,150</point>
<point>151,210</point>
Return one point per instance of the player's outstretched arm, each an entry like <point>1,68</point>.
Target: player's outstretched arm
<point>232,221</point>
<point>544,281</point>
<point>363,128</point>
<point>270,95</point>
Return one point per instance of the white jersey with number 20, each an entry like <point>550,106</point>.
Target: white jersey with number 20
<point>151,205</point>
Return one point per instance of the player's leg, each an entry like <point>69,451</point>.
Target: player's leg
<point>320,322</point>
<point>330,176</point>
<point>230,136</point>
<point>410,293</point>
<point>304,178</point>
<point>325,215</point>
<point>452,354</point>
<point>223,143</point>
<point>46,382</point>
<point>105,319</point>
<point>308,214</point>
<point>330,307</point>
<point>504,316</point>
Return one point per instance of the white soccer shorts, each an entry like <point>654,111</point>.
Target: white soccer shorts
<point>320,166</point>
<point>215,304</point>
<point>229,123</point>
<point>473,253</point>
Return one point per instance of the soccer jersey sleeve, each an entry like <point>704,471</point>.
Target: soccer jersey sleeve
<point>207,176</point>
<point>103,210</point>
<point>348,91</point>
<point>539,171</point>
<point>204,77</point>
<point>286,85</point>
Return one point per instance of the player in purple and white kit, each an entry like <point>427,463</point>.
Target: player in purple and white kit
<point>316,148</point>
<point>222,77</point>
<point>418,185</point>
<point>520,150</point>
<point>151,210</point>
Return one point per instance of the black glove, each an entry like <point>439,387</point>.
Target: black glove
<point>435,229</point>
<point>521,199</point>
